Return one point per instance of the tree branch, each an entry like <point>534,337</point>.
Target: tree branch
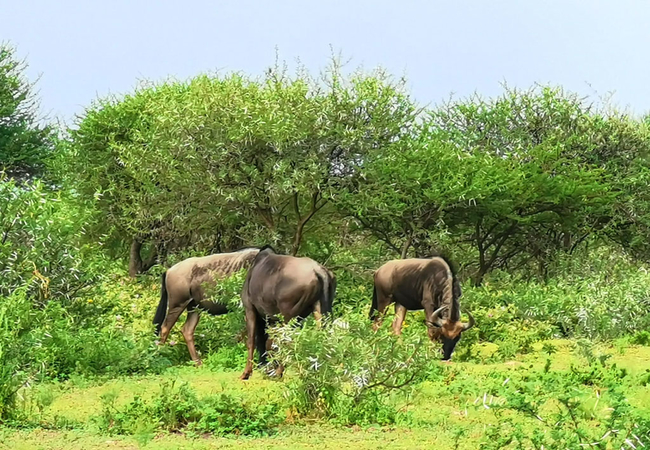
<point>302,221</point>
<point>505,235</point>
<point>382,236</point>
<point>405,247</point>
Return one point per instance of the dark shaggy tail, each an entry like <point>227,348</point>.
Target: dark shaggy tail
<point>261,336</point>
<point>328,291</point>
<point>373,308</point>
<point>332,292</point>
<point>161,312</point>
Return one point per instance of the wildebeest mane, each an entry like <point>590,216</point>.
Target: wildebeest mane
<point>221,264</point>
<point>457,291</point>
<point>445,258</point>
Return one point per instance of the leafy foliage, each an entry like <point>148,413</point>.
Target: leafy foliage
<point>24,143</point>
<point>504,183</point>
<point>568,424</point>
<point>41,242</point>
<point>179,409</point>
<point>345,371</point>
<point>221,161</point>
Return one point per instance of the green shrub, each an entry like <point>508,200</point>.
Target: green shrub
<point>42,246</point>
<point>346,373</point>
<point>568,423</point>
<point>16,321</point>
<point>583,303</point>
<point>179,409</point>
<point>227,358</point>
<point>641,338</point>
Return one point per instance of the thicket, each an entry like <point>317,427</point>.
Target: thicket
<point>537,195</point>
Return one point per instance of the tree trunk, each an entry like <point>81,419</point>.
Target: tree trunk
<point>405,247</point>
<point>302,221</point>
<point>297,238</point>
<point>136,264</point>
<point>135,260</point>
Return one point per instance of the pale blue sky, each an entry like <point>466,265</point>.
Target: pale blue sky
<point>83,49</point>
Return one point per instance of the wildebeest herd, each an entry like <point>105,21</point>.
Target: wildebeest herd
<point>288,287</point>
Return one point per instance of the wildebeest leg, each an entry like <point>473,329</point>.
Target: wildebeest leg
<point>279,368</point>
<point>262,339</point>
<point>250,342</point>
<point>188,333</point>
<point>174,312</point>
<point>400,315</point>
<point>317,314</point>
<point>382,303</point>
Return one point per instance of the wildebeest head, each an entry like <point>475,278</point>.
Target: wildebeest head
<point>449,331</point>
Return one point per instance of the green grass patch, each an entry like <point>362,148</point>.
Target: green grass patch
<point>574,394</point>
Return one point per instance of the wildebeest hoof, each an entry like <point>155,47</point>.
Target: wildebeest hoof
<point>198,363</point>
<point>245,376</point>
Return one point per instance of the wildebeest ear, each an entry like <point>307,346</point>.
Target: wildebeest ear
<point>267,247</point>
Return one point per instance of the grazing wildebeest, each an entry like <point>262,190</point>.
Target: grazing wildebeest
<point>282,285</point>
<point>183,288</point>
<point>414,284</point>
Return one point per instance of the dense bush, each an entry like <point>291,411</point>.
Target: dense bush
<point>44,266</point>
<point>346,372</point>
<point>564,410</point>
<point>179,409</point>
<point>42,246</point>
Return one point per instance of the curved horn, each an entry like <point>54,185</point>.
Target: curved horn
<point>436,320</point>
<point>471,323</point>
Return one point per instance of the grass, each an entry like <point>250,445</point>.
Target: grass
<point>452,411</point>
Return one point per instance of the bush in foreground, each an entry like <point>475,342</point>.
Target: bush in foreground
<point>347,373</point>
<point>178,409</point>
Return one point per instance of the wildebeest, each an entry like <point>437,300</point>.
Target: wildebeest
<point>282,285</point>
<point>183,288</point>
<point>414,284</point>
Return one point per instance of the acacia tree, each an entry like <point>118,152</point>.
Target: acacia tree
<point>257,159</point>
<point>94,163</point>
<point>24,143</point>
<point>506,182</point>
<point>572,161</point>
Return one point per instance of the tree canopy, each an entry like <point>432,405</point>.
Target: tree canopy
<point>507,182</point>
<point>219,162</point>
<point>24,142</point>
<point>230,159</point>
